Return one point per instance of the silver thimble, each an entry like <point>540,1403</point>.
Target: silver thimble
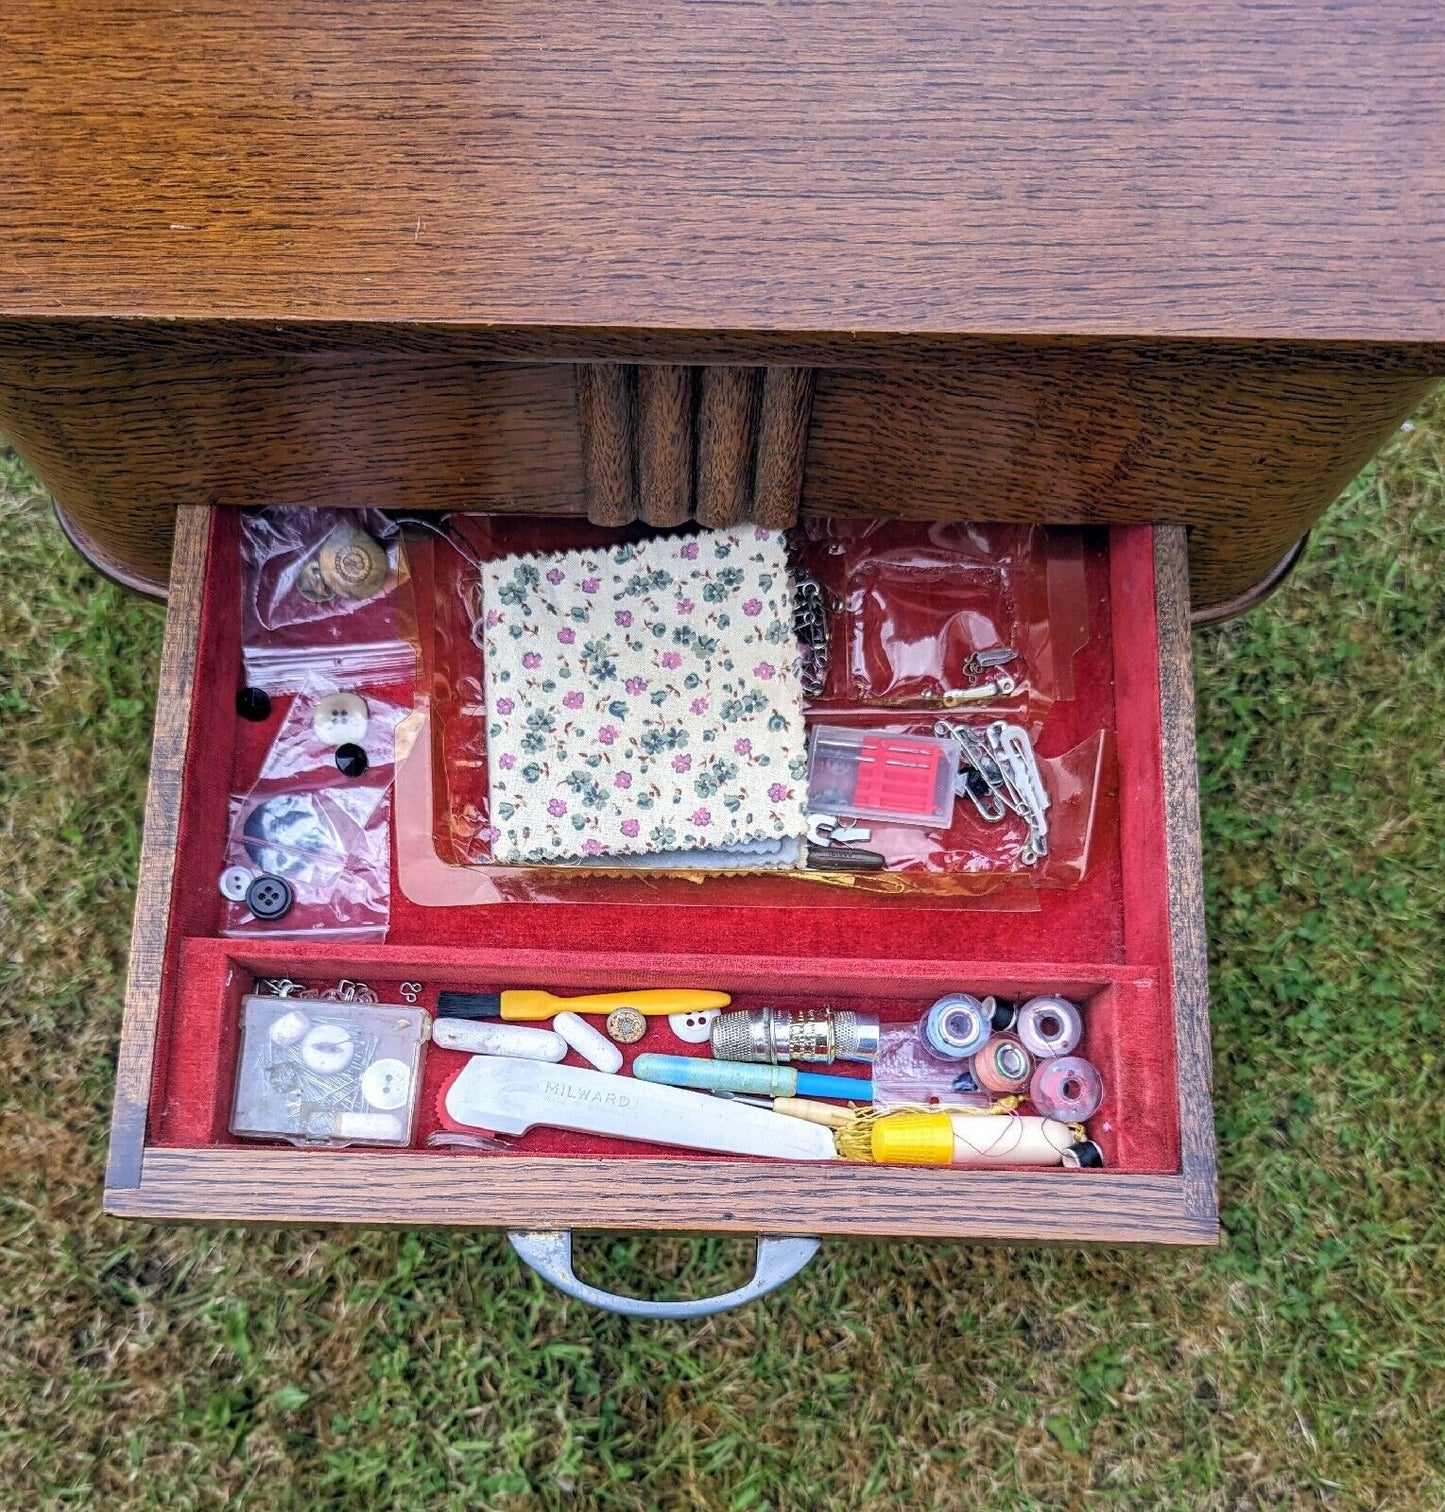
<point>779,1035</point>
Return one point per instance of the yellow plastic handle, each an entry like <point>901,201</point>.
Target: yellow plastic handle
<point>655,1001</point>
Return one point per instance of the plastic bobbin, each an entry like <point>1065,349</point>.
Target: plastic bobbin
<point>1003,1066</point>
<point>958,1025</point>
<point>1067,1088</point>
<point>235,882</point>
<point>1004,1016</point>
<point>269,898</point>
<point>1085,1154</point>
<point>1049,1026</point>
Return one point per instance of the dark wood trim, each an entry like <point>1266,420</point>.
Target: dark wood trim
<point>726,435</point>
<point>106,563</point>
<point>516,1191</point>
<point>1244,445</point>
<point>205,337</point>
<point>665,420</point>
<point>606,411</point>
<point>1186,875</point>
<point>783,420</point>
<point>1227,609</point>
<point>151,927</point>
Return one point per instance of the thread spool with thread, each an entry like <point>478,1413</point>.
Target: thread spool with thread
<point>1003,1065</point>
<point>958,1025</point>
<point>1049,1026</point>
<point>1067,1088</point>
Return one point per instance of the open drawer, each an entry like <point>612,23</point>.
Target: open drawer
<point>1127,943</point>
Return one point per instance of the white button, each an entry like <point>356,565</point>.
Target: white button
<point>327,1049</point>
<point>693,1028</point>
<point>234,882</point>
<point>386,1084</point>
<point>340,719</point>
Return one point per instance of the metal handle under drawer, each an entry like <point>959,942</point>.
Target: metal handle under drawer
<point>549,1253</point>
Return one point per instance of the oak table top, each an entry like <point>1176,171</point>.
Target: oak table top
<point>920,169</point>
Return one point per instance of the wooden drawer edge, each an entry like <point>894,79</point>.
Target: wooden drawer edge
<point>136,1058</point>
<point>323,1188</point>
<point>1186,876</point>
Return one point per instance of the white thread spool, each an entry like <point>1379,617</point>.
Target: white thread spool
<point>1008,1139</point>
<point>1049,1026</point>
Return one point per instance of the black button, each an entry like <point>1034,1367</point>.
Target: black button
<point>350,760</point>
<point>270,897</point>
<point>253,704</point>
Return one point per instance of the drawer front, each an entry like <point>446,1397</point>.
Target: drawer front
<point>171,1157</point>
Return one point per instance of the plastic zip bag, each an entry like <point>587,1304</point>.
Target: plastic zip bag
<point>325,592</point>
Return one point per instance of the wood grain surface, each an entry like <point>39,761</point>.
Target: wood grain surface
<point>1244,444</point>
<point>783,419</point>
<point>607,421</point>
<point>1235,169</point>
<point>741,1197</point>
<point>1188,948</point>
<point>727,411</point>
<point>151,926</point>
<point>665,421</point>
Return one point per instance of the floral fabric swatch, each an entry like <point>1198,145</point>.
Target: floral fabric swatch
<point>643,698</point>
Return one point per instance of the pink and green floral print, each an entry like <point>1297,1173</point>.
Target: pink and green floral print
<point>643,698</point>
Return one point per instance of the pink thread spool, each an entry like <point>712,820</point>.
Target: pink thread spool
<point>1067,1088</point>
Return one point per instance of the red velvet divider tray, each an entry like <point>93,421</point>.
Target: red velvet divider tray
<point>1105,942</point>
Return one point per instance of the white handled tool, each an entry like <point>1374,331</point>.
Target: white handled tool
<point>512,1096</point>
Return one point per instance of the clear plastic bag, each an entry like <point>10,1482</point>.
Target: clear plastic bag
<point>916,602</point>
<point>443,833</point>
<point>328,836</point>
<point>325,592</point>
<point>905,1070</point>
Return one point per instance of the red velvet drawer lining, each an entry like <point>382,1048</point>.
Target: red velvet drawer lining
<point>1111,933</point>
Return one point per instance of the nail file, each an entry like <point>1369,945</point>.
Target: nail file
<point>512,1096</point>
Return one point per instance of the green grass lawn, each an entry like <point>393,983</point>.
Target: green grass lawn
<point>1302,1364</point>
